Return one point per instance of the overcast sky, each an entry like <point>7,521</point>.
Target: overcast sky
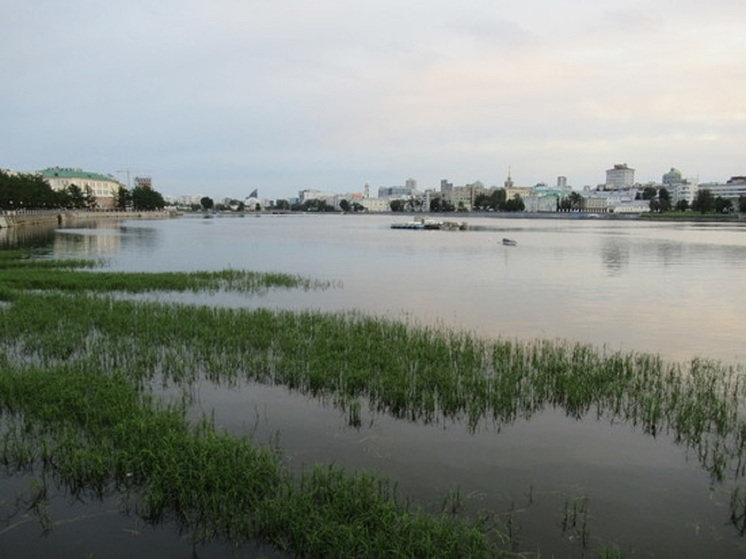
<point>220,97</point>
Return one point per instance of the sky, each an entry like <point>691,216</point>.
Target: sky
<point>221,97</point>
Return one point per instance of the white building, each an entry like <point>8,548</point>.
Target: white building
<point>732,189</point>
<point>620,176</point>
<point>104,187</point>
<point>684,190</point>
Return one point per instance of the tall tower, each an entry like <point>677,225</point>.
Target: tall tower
<point>509,181</point>
<point>366,191</point>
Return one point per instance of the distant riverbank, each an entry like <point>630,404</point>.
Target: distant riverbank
<point>20,218</point>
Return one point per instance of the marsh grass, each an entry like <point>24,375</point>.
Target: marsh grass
<point>28,271</point>
<point>99,435</point>
<point>113,353</point>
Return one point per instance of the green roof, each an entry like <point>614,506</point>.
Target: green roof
<point>60,173</point>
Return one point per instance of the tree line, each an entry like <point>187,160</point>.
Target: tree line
<point>29,191</point>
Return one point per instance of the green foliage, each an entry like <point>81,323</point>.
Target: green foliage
<point>315,205</point>
<point>441,205</point>
<point>26,191</point>
<point>146,199</point>
<point>704,201</point>
<point>397,205</point>
<point>123,198</point>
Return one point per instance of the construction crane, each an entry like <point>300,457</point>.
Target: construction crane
<point>128,172</point>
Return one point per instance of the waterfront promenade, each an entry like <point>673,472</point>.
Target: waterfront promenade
<point>20,218</point>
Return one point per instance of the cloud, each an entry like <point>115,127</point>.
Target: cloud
<point>282,95</point>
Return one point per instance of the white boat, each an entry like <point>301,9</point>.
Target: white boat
<point>509,242</point>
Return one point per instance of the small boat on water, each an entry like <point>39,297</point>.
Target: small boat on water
<point>509,242</point>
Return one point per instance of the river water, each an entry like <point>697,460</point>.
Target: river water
<point>673,289</point>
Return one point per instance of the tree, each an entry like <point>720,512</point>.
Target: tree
<point>649,192</point>
<point>722,205</point>
<point>122,198</point>
<point>146,199</point>
<point>703,202</point>
<point>397,205</point>
<point>89,198</point>
<point>514,205</point>
<point>573,202</point>
<point>29,191</point>
<point>664,200</point>
<point>316,205</point>
<point>75,197</point>
<point>682,205</point>
<point>441,205</point>
<point>344,205</point>
<point>482,201</point>
<point>206,202</point>
<point>742,204</point>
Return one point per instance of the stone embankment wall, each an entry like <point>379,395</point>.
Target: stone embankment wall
<point>61,217</point>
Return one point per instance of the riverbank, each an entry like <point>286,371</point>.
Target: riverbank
<point>19,218</point>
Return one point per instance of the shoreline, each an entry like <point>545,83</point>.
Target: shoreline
<point>11,219</point>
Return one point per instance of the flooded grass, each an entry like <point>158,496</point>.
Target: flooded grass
<point>80,373</point>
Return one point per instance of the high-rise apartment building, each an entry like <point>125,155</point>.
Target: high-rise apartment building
<point>621,176</point>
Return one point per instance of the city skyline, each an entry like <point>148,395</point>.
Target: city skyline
<point>227,97</point>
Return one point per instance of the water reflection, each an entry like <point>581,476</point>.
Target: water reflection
<point>104,240</point>
<point>615,255</point>
<point>26,237</point>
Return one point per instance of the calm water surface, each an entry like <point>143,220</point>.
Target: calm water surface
<point>674,289</point>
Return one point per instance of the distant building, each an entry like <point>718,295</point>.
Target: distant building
<point>313,194</point>
<point>684,190</point>
<point>509,181</point>
<point>374,205</point>
<point>394,191</point>
<point>562,183</point>
<point>144,182</point>
<point>104,187</point>
<point>620,176</point>
<point>672,177</point>
<point>732,189</point>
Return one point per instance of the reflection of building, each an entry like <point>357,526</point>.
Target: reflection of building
<point>621,176</point>
<point>103,187</point>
